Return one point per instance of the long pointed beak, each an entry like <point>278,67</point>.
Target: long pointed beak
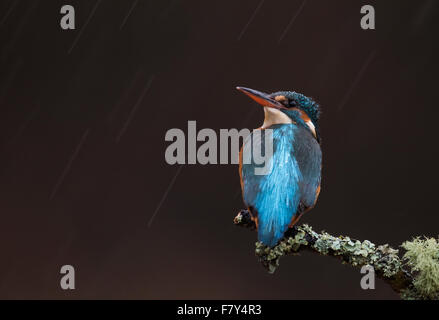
<point>262,98</point>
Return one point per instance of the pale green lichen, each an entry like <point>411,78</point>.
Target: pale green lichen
<point>384,259</point>
<point>422,257</point>
<point>415,276</point>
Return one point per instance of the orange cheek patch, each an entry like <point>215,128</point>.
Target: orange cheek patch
<point>280,98</point>
<point>307,120</point>
<point>304,116</point>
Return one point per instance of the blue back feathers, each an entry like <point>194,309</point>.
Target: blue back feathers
<point>278,199</point>
<point>291,185</point>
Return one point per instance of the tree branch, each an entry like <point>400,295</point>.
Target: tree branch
<point>385,260</point>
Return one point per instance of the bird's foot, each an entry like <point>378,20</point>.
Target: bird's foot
<point>294,230</point>
<point>244,219</point>
<point>291,232</point>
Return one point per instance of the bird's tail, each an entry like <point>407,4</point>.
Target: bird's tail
<point>273,224</point>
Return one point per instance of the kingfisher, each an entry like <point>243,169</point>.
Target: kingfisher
<point>278,199</point>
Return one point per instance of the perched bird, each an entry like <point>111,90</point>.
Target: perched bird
<point>278,199</point>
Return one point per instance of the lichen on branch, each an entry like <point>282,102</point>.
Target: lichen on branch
<point>413,276</point>
<point>422,257</point>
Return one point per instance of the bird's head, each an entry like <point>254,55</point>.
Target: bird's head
<point>286,107</point>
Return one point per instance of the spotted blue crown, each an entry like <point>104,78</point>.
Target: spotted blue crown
<point>311,108</point>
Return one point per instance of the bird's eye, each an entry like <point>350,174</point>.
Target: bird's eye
<point>292,103</point>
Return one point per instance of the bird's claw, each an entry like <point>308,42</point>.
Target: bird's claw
<point>244,219</point>
<point>291,232</point>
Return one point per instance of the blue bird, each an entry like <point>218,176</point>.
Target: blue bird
<point>277,199</point>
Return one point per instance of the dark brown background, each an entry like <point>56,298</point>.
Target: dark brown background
<point>378,90</point>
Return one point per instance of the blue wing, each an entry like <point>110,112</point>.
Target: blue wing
<point>275,198</point>
<point>309,158</point>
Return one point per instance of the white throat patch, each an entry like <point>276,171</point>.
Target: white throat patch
<point>311,127</point>
<point>274,116</point>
